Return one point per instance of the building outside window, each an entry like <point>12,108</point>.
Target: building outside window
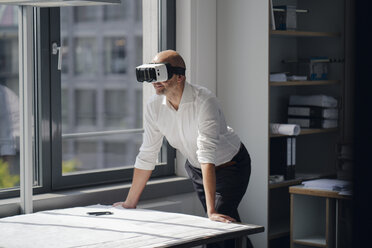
<point>9,100</point>
<point>101,93</point>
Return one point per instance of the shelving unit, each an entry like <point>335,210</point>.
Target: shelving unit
<point>318,209</point>
<point>319,33</point>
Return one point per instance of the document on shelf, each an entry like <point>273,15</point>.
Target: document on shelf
<point>278,77</point>
<point>328,184</point>
<point>297,78</point>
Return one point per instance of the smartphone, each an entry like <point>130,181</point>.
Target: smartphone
<point>100,213</point>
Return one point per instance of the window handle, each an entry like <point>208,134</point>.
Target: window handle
<point>57,49</point>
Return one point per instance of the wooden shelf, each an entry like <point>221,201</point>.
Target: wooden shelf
<point>300,177</point>
<point>304,83</point>
<point>279,229</point>
<point>306,131</point>
<point>285,183</point>
<point>315,240</point>
<point>295,33</point>
<point>301,190</point>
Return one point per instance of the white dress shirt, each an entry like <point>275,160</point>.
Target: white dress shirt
<point>197,129</point>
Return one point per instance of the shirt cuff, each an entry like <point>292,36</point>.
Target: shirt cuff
<point>140,164</point>
<point>206,158</point>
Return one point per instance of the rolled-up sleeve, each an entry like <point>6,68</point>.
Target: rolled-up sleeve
<point>152,141</point>
<point>208,131</point>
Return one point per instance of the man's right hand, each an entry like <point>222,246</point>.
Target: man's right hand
<point>124,205</point>
<point>140,178</point>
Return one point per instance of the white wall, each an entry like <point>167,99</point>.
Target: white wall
<point>242,87</point>
<point>225,46</point>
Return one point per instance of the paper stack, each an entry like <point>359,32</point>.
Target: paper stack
<point>328,184</point>
<point>278,77</point>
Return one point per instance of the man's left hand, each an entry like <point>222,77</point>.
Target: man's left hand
<point>221,218</point>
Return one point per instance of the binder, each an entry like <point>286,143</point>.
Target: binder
<point>312,112</point>
<point>313,122</point>
<point>283,156</point>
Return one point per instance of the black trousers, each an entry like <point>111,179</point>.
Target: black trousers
<point>231,185</point>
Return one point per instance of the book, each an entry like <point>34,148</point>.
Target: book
<point>297,78</point>
<point>313,112</point>
<point>313,122</point>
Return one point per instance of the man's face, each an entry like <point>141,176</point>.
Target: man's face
<point>162,88</point>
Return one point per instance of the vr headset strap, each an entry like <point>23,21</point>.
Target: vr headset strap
<point>177,70</point>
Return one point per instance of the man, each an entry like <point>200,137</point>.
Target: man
<point>192,121</point>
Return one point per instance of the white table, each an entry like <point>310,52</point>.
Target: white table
<point>141,228</point>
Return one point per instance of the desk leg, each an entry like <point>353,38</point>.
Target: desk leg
<point>239,242</point>
<point>336,226</point>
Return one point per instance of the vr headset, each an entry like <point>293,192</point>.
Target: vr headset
<point>151,73</point>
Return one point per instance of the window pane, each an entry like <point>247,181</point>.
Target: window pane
<point>139,11</point>
<point>100,152</point>
<point>99,88</point>
<point>116,60</point>
<point>85,108</point>
<point>115,12</point>
<point>139,50</point>
<point>9,100</point>
<point>85,14</point>
<point>85,55</point>
<point>116,115</point>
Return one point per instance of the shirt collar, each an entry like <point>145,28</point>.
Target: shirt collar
<point>187,96</point>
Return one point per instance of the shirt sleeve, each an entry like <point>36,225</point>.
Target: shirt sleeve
<point>152,141</point>
<point>208,131</point>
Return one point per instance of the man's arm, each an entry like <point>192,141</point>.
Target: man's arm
<point>209,183</point>
<point>140,178</point>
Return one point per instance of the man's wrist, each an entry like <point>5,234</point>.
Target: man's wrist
<point>211,211</point>
<point>130,204</point>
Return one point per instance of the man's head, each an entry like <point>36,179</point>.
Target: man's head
<point>177,81</point>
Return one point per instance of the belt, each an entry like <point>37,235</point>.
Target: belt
<point>225,165</point>
<point>232,162</point>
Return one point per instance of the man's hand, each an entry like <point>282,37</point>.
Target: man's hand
<point>209,183</point>
<point>221,218</point>
<point>140,178</point>
<point>124,205</point>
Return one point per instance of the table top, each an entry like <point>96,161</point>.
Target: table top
<point>301,190</point>
<point>73,227</point>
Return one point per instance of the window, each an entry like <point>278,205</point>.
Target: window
<point>88,115</point>
<point>9,100</point>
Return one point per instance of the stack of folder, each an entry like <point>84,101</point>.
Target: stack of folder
<point>315,111</point>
